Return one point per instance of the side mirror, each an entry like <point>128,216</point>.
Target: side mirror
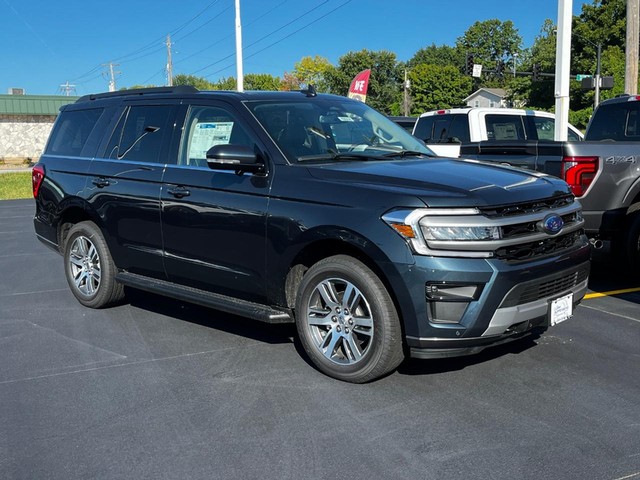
<point>234,157</point>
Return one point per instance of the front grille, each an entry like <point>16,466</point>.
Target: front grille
<point>528,207</point>
<point>546,287</point>
<point>528,251</point>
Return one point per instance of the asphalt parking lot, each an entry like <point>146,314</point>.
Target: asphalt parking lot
<point>159,389</point>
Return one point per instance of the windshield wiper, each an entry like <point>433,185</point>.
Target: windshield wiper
<point>334,156</point>
<point>406,153</point>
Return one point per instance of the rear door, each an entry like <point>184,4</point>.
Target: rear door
<point>124,182</point>
<point>214,221</point>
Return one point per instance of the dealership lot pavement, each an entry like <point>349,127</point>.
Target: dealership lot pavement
<point>159,389</point>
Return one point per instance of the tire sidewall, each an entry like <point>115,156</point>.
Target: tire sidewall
<point>101,297</point>
<point>385,319</point>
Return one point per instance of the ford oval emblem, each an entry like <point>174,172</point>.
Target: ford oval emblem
<point>552,224</point>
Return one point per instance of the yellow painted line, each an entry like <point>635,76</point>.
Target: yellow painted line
<point>612,292</point>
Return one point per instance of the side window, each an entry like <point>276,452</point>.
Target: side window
<point>610,122</point>
<point>139,133</point>
<point>572,136</point>
<point>441,128</point>
<point>632,131</point>
<point>424,127</point>
<point>206,127</point>
<point>459,129</point>
<point>504,127</point>
<point>72,130</point>
<point>545,128</point>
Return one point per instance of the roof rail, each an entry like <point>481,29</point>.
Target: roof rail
<point>180,89</point>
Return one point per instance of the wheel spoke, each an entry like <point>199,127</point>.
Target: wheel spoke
<point>75,259</point>
<point>328,293</point>
<point>329,344</point>
<point>318,316</point>
<point>352,348</point>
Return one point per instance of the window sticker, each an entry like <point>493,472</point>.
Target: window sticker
<point>207,135</point>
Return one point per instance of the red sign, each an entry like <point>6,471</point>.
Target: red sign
<point>359,85</point>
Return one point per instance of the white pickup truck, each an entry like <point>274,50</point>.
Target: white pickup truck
<point>444,131</point>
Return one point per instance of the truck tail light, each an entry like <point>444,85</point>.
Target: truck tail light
<point>579,172</point>
<point>37,176</point>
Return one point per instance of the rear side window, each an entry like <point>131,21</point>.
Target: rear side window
<point>616,121</point>
<point>139,134</point>
<point>424,127</point>
<point>71,131</point>
<point>505,127</point>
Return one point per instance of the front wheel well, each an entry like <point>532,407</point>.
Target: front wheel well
<point>315,252</point>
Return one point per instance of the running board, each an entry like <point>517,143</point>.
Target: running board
<point>216,301</point>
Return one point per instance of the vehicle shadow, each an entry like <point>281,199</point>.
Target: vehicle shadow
<point>210,318</point>
<point>413,366</point>
<point>610,274</point>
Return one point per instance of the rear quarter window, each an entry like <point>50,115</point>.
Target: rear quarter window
<point>616,121</point>
<point>71,131</point>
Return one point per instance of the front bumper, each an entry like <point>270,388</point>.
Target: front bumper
<point>514,301</point>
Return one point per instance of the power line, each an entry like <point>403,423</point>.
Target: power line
<point>266,36</point>
<point>283,38</point>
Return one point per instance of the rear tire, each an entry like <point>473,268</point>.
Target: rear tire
<point>347,321</point>
<point>89,268</point>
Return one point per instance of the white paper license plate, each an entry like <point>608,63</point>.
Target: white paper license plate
<point>561,309</point>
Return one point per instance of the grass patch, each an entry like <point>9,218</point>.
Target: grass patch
<point>15,185</point>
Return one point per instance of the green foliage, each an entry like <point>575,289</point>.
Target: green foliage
<point>198,82</point>
<point>580,118</point>
<point>261,81</point>
<point>15,185</point>
<point>311,71</point>
<point>438,55</point>
<point>384,83</point>
<point>490,41</point>
<point>434,86</point>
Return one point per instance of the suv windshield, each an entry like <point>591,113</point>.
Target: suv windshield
<point>332,128</point>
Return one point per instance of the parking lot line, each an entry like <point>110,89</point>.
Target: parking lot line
<point>589,296</point>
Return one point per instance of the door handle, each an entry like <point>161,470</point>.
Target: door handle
<point>101,182</point>
<point>179,192</point>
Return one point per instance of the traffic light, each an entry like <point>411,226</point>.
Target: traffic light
<point>469,64</point>
<point>536,72</point>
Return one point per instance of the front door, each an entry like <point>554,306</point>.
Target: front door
<point>214,221</point>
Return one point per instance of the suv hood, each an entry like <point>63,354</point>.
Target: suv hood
<point>442,182</point>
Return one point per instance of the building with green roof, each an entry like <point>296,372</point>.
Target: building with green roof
<point>25,123</point>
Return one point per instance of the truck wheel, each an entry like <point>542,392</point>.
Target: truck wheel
<point>89,268</point>
<point>347,322</point>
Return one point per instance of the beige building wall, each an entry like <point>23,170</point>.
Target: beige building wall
<point>24,136</point>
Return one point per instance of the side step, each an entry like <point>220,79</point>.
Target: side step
<point>216,301</point>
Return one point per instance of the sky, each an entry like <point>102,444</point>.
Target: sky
<point>48,44</point>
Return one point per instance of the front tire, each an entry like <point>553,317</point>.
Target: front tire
<point>89,268</point>
<point>347,322</point>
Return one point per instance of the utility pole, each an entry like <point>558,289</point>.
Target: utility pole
<point>169,63</point>
<point>405,103</point>
<point>112,75</point>
<point>239,73</point>
<point>631,70</point>
<point>596,99</point>
<point>66,88</point>
<point>563,69</point>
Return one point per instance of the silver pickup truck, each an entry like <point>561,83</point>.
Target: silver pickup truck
<point>603,172</point>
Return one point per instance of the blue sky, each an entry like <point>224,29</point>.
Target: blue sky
<point>47,43</point>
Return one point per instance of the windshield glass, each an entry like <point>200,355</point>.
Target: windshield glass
<point>326,128</point>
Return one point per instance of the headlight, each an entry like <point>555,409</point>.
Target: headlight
<point>459,234</point>
<point>429,229</point>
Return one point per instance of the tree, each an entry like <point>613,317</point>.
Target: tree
<point>434,86</point>
<point>311,70</point>
<point>490,41</point>
<point>261,81</point>
<point>384,83</point>
<point>438,55</point>
<point>199,82</point>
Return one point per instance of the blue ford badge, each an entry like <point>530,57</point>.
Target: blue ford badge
<point>551,224</point>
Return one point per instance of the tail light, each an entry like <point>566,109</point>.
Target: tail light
<point>579,172</point>
<point>37,176</point>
